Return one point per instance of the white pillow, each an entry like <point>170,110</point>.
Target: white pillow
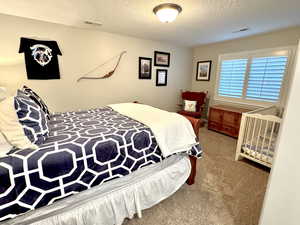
<point>10,126</point>
<point>3,93</point>
<point>190,106</point>
<point>5,147</point>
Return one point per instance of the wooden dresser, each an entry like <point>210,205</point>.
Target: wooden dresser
<point>225,119</point>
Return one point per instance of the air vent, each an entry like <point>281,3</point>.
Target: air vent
<point>88,22</point>
<point>241,30</point>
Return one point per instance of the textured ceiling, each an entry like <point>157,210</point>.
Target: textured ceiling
<point>201,21</point>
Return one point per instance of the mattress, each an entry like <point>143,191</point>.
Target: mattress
<point>85,149</point>
<point>116,200</point>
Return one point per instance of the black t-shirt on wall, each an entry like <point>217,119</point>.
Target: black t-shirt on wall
<point>40,58</point>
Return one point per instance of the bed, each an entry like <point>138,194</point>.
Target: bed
<point>89,155</point>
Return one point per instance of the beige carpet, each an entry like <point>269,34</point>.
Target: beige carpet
<point>226,192</point>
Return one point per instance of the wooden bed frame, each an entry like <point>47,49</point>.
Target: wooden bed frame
<point>196,123</point>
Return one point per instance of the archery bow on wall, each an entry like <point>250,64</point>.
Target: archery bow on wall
<point>109,74</point>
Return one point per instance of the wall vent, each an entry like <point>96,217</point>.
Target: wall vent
<point>88,22</point>
<point>241,30</point>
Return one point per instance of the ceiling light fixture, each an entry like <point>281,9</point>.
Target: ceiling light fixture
<point>167,12</point>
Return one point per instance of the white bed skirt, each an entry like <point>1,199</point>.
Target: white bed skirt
<point>116,200</point>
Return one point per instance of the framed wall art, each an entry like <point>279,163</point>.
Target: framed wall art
<point>203,70</point>
<point>161,77</point>
<point>145,68</point>
<point>162,59</point>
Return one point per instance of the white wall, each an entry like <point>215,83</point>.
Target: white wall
<point>274,39</point>
<point>83,50</point>
<point>282,201</point>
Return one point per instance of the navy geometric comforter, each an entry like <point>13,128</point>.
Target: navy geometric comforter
<point>84,149</point>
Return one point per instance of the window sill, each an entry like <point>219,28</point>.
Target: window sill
<point>245,103</point>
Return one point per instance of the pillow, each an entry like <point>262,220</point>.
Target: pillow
<point>37,99</point>
<point>5,147</point>
<point>3,93</point>
<point>190,106</point>
<point>32,118</point>
<point>10,126</point>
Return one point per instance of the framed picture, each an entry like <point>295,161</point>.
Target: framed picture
<point>145,68</point>
<point>161,59</point>
<point>203,70</point>
<point>161,77</point>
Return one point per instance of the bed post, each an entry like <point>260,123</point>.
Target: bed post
<point>196,123</point>
<point>191,179</point>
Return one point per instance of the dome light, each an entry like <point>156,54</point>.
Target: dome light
<point>167,12</point>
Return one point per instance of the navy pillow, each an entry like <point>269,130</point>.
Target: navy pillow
<point>37,99</point>
<point>32,118</point>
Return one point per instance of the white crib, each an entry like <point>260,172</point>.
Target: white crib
<point>258,134</point>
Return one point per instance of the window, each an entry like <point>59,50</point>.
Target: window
<point>265,78</point>
<point>232,78</point>
<point>252,77</point>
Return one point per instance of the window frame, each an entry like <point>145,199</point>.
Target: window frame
<point>288,51</point>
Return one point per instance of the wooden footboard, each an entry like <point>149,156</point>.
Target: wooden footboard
<point>196,123</point>
<point>192,177</point>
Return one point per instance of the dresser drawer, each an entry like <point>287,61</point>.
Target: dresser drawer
<point>215,115</point>
<point>232,131</point>
<point>229,118</point>
<point>214,126</point>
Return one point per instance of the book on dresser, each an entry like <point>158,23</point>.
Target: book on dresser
<point>225,119</point>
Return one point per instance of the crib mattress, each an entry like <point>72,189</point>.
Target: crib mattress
<point>259,152</point>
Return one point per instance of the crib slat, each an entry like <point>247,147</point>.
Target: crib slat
<point>244,143</point>
<point>247,143</point>
<point>252,138</point>
<point>257,142</point>
<point>270,141</point>
<point>265,135</point>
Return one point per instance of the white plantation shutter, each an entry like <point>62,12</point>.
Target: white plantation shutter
<point>265,78</point>
<point>253,77</point>
<point>232,77</point>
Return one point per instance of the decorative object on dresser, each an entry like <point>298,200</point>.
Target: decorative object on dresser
<point>162,59</point>
<point>161,77</point>
<point>225,119</point>
<point>145,68</point>
<point>199,98</point>
<point>203,70</point>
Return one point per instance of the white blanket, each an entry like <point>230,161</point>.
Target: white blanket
<point>173,132</point>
